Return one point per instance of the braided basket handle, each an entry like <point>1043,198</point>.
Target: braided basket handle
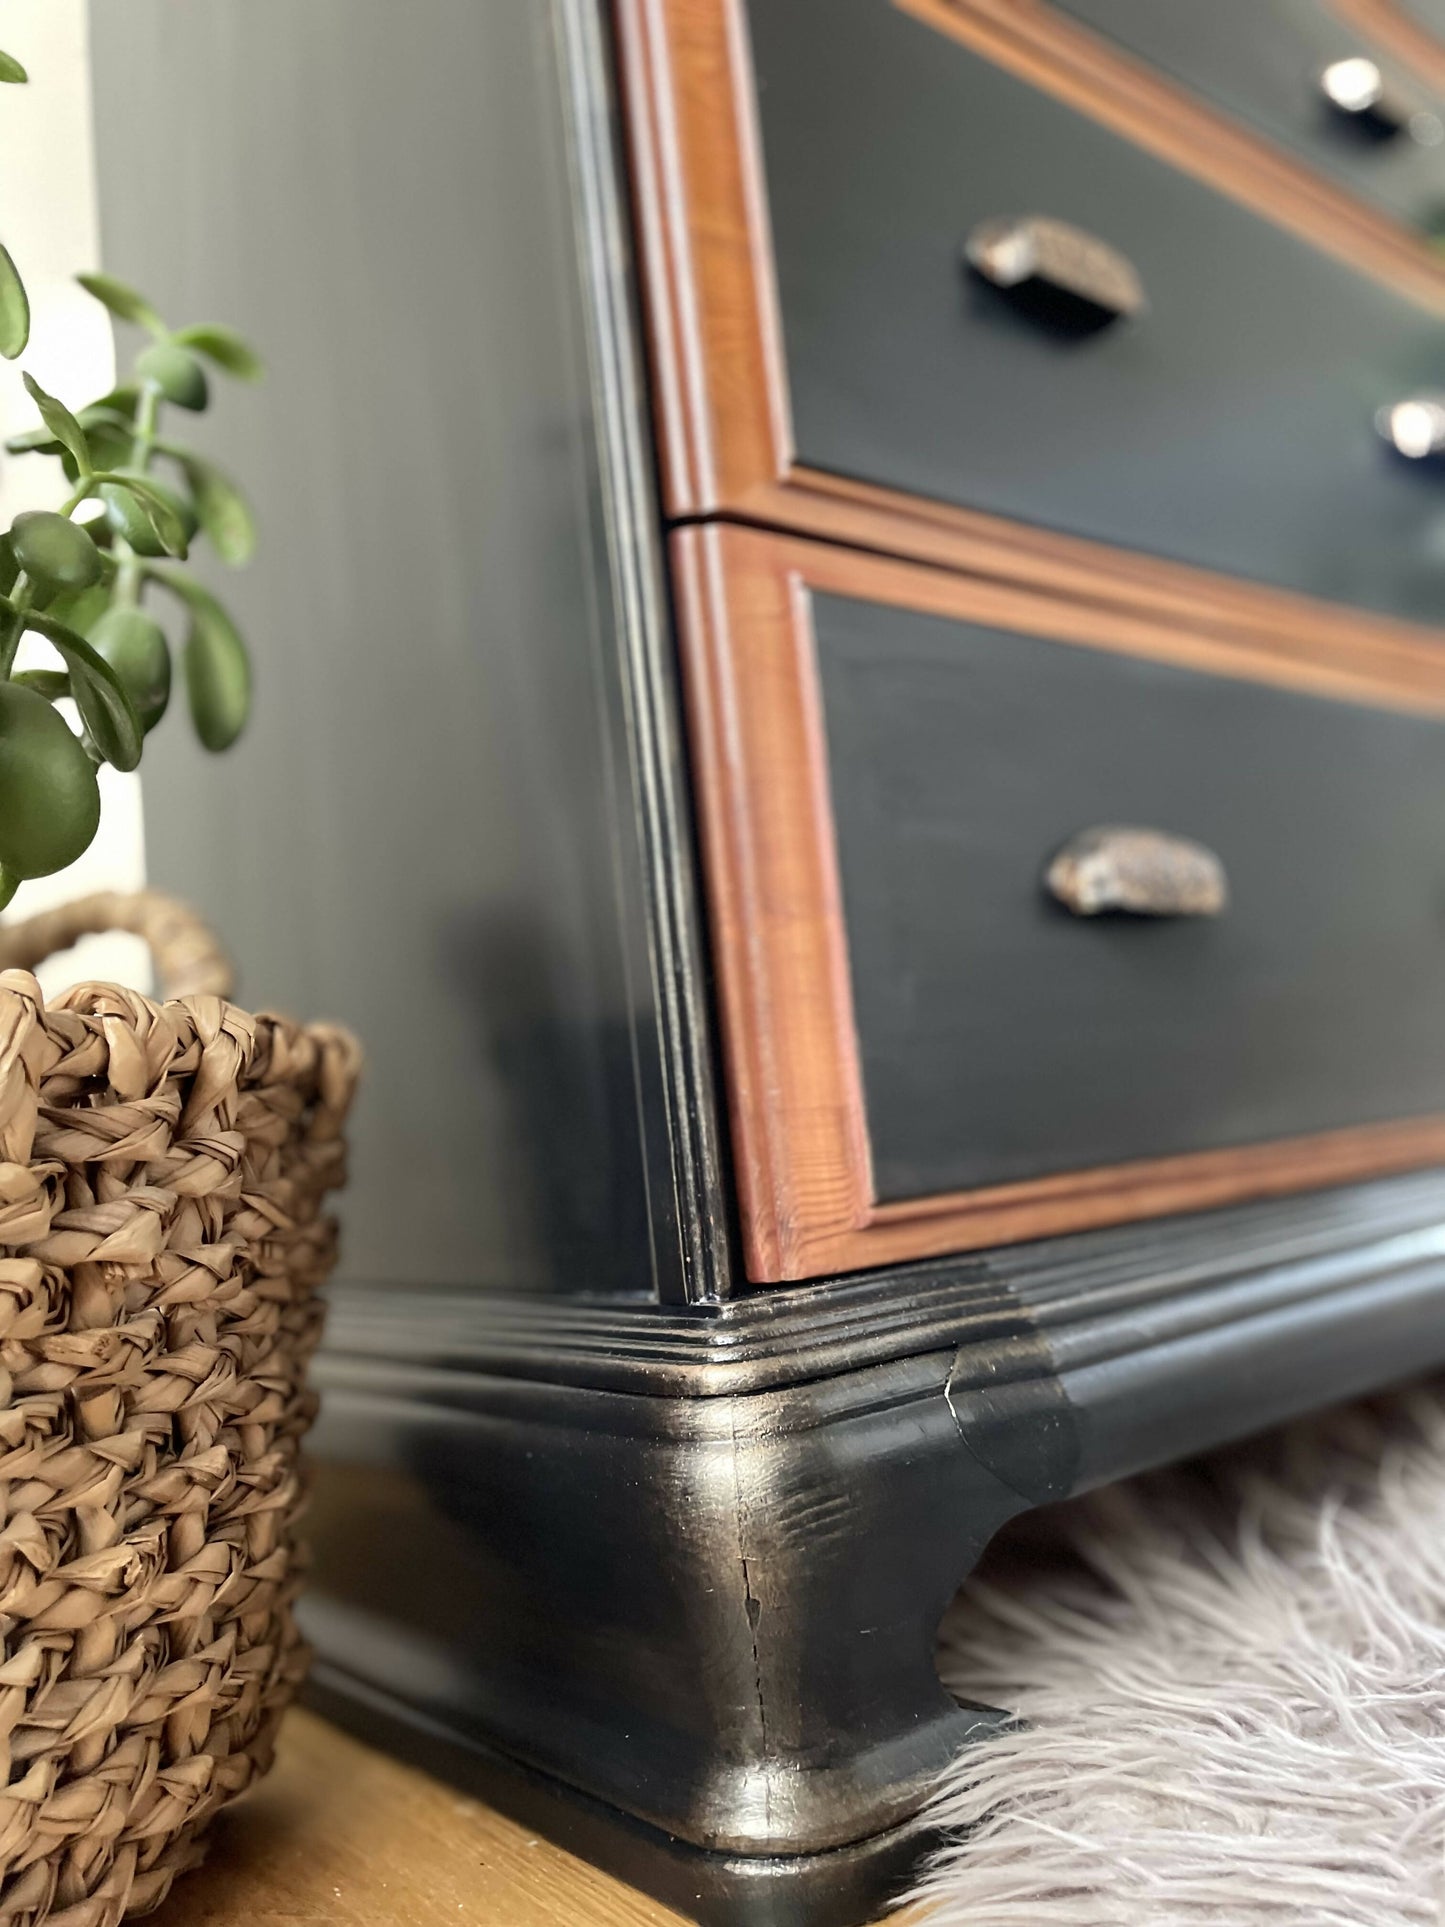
<point>189,961</point>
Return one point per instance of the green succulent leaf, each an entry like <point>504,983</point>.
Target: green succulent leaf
<point>217,665</point>
<point>11,70</point>
<point>34,441</point>
<point>79,609</point>
<point>105,708</point>
<point>61,423</point>
<point>104,414</point>
<point>101,421</point>
<point>14,309</point>
<point>175,372</point>
<point>123,400</point>
<point>224,347</point>
<point>111,440</point>
<point>52,684</point>
<point>49,798</point>
<point>218,682</point>
<point>223,510</point>
<point>127,517</point>
<point>55,552</point>
<point>124,302</point>
<point>9,883</point>
<point>101,533</point>
<point>137,649</point>
<point>127,520</point>
<point>159,513</point>
<point>9,567</point>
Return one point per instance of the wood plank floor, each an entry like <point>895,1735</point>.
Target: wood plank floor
<point>342,1836</point>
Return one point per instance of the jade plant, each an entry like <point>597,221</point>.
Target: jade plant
<point>86,576</point>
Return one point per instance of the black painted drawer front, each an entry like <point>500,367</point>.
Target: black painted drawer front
<point>1230,426</point>
<point>1002,1038</point>
<point>1262,61</point>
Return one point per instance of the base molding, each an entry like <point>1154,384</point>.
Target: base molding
<point>857,1882</point>
<point>689,1564</point>
<point>716,1615</point>
<point>1072,1291</point>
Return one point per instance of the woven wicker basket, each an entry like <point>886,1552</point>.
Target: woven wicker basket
<point>162,1168</point>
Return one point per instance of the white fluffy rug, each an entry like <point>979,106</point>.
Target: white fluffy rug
<point>1233,1678</point>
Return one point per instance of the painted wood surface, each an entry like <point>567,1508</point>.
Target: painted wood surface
<point>737,439</point>
<point>1262,64</point>
<point>793,1010</point>
<point>443,824</point>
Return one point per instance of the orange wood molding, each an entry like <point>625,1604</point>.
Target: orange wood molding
<point>1055,54</point>
<point>712,314</point>
<point>800,1131</point>
<point>1397,32</point>
<point>1143,586</point>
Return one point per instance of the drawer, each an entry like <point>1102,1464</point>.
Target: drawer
<point>928,1052</point>
<point>1294,71</point>
<point>1231,425</point>
<point>810,171</point>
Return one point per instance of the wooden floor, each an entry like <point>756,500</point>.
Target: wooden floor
<point>343,1836</point>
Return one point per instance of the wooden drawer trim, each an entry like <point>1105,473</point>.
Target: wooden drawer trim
<point>800,1134</point>
<point>1083,69</point>
<point>720,386</point>
<point>1395,31</point>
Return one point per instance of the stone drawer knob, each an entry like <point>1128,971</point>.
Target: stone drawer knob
<point>1035,251</point>
<point>1143,873</point>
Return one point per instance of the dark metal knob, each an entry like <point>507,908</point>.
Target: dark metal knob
<point>1036,249</point>
<point>1360,95</point>
<point>1139,872</point>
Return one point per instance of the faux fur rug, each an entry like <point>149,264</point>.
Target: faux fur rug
<point>1233,1678</point>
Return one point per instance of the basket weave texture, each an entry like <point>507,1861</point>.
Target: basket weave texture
<point>162,1171</point>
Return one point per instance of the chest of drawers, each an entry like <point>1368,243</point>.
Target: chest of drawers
<point>922,858</point>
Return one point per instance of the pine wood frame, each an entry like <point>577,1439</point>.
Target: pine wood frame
<point>720,389</point>
<point>800,1129</point>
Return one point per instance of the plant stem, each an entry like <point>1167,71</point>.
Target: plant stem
<point>127,574</point>
<point>21,596</point>
<point>147,416</point>
<point>128,577</point>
